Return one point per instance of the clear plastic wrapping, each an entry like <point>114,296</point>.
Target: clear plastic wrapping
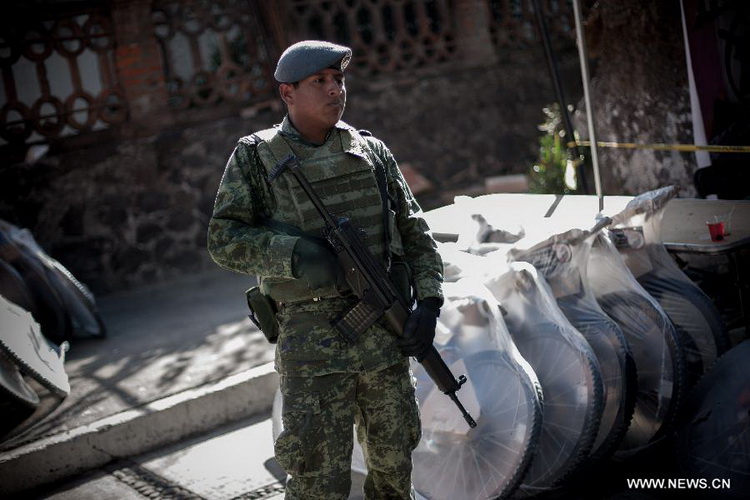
<point>636,232</point>
<point>646,336</point>
<point>653,341</point>
<point>33,381</point>
<point>567,369</point>
<point>562,260</point>
<point>502,393</point>
<point>646,204</point>
<point>64,307</point>
<point>460,263</point>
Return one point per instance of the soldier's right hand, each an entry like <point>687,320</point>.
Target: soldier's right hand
<point>315,263</point>
<point>419,330</point>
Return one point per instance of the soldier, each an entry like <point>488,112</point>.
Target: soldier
<point>328,383</point>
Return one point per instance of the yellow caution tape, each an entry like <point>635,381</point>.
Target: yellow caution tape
<point>675,147</point>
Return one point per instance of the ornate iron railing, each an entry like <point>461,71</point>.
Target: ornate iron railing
<point>212,50</point>
<point>385,35</point>
<point>513,23</point>
<point>59,78</point>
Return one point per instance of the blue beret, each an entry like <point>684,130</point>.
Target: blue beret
<point>308,57</point>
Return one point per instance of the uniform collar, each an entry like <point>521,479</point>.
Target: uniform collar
<point>287,130</point>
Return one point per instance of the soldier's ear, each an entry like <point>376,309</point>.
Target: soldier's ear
<point>286,90</point>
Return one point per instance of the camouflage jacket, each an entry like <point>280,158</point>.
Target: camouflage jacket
<point>239,242</point>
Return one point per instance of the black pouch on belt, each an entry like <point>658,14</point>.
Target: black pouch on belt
<point>263,313</point>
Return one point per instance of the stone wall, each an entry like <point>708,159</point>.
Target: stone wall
<point>129,212</point>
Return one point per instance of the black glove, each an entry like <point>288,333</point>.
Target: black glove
<point>315,263</point>
<point>419,330</point>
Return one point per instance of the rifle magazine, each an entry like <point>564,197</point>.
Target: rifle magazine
<point>357,320</point>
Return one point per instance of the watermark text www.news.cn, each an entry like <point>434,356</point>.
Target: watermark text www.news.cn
<point>678,484</point>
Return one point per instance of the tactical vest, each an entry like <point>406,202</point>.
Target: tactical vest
<point>343,176</point>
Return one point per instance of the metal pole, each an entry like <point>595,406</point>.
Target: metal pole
<point>583,55</point>
<point>559,92</point>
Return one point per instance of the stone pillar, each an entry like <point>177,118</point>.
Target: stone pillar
<point>139,65</point>
<point>473,38</point>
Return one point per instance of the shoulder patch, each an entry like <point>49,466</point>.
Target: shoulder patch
<point>364,132</point>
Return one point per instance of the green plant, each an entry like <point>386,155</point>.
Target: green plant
<point>548,174</point>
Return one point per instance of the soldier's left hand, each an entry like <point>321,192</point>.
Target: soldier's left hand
<point>315,263</point>
<point>419,331</point>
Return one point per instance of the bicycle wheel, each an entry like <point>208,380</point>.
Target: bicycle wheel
<point>660,367</point>
<point>489,460</point>
<point>696,319</point>
<point>713,440</point>
<point>617,368</point>
<point>573,401</point>
<point>564,362</point>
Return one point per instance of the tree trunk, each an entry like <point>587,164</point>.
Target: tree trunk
<point>639,94</point>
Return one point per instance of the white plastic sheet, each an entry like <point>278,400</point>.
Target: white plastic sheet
<point>562,260</point>
<point>658,355</point>
<point>636,232</point>
<point>489,460</point>
<point>567,369</point>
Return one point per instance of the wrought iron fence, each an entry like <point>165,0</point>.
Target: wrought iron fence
<point>212,50</point>
<point>390,35</point>
<point>58,77</point>
<point>513,23</point>
<point>385,35</point>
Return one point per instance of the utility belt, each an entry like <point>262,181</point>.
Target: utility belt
<point>263,310</point>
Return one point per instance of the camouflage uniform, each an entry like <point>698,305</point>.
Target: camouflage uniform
<point>327,383</point>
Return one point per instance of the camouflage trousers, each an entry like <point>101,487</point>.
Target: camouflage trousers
<point>316,444</point>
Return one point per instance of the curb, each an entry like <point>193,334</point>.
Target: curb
<point>139,430</point>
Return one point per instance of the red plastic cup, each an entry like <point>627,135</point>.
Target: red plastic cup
<point>716,229</point>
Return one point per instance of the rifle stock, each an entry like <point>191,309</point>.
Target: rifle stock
<point>370,282</point>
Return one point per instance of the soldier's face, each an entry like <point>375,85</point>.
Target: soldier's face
<point>318,100</point>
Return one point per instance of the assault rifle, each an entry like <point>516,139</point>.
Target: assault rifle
<point>369,280</point>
